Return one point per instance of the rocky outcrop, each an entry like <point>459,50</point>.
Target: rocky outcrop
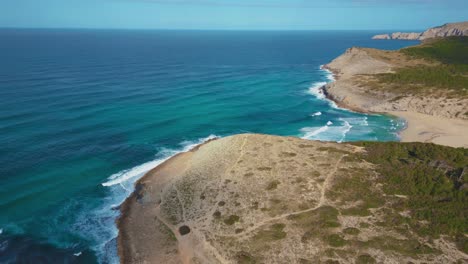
<point>383,36</point>
<point>406,36</point>
<point>447,30</point>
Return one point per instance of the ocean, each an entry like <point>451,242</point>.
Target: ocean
<point>85,113</point>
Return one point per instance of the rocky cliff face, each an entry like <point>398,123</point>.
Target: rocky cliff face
<point>406,36</point>
<point>382,36</point>
<point>447,30</point>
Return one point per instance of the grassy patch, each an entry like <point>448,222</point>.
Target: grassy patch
<point>356,185</point>
<point>432,177</point>
<point>245,258</point>
<point>272,185</point>
<point>453,50</point>
<point>365,259</point>
<point>275,232</point>
<point>406,247</point>
<point>452,78</point>
<point>333,150</point>
<point>232,219</point>
<point>448,72</point>
<point>323,217</point>
<point>287,154</point>
<point>336,240</point>
<point>318,224</point>
<point>351,231</point>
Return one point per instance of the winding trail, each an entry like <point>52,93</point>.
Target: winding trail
<point>322,202</point>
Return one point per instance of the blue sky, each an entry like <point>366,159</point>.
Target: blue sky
<point>232,14</point>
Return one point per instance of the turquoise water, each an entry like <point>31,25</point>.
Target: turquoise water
<point>84,113</point>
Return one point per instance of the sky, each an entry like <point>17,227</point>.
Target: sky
<point>233,14</point>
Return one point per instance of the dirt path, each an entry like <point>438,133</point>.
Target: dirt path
<point>322,202</point>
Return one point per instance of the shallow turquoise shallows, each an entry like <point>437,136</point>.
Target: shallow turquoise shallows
<point>84,113</point>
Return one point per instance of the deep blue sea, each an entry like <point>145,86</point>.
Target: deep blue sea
<point>84,113</point>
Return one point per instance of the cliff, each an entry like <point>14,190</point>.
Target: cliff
<point>447,30</point>
<point>267,199</point>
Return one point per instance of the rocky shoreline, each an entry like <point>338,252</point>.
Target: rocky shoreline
<point>447,30</point>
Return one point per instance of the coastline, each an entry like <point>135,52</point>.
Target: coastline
<point>419,127</point>
<point>158,176</point>
<point>185,209</point>
<point>145,201</point>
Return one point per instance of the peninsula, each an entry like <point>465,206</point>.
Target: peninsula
<point>427,85</point>
<point>253,198</point>
<point>267,199</point>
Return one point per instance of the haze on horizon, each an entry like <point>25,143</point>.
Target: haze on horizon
<point>232,14</point>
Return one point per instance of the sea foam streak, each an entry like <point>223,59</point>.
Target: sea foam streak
<point>140,170</point>
<point>312,132</point>
<point>347,128</point>
<point>120,185</point>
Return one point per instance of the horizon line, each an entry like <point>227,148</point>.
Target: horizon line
<point>201,29</point>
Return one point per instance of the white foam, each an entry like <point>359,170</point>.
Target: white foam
<point>100,223</point>
<point>330,75</point>
<point>137,171</point>
<point>366,123</point>
<point>334,132</point>
<point>347,128</point>
<point>317,114</point>
<point>312,132</point>
<point>140,170</point>
<point>77,254</point>
<point>316,90</point>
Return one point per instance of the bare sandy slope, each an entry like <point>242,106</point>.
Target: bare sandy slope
<point>267,199</point>
<point>430,117</point>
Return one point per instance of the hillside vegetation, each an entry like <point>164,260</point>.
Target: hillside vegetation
<point>435,180</point>
<point>446,71</point>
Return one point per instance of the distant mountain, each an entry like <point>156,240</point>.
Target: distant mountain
<point>447,30</point>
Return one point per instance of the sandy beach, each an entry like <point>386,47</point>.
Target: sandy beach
<point>433,129</point>
<point>430,118</point>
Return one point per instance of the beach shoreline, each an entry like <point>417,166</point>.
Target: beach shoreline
<point>420,127</point>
